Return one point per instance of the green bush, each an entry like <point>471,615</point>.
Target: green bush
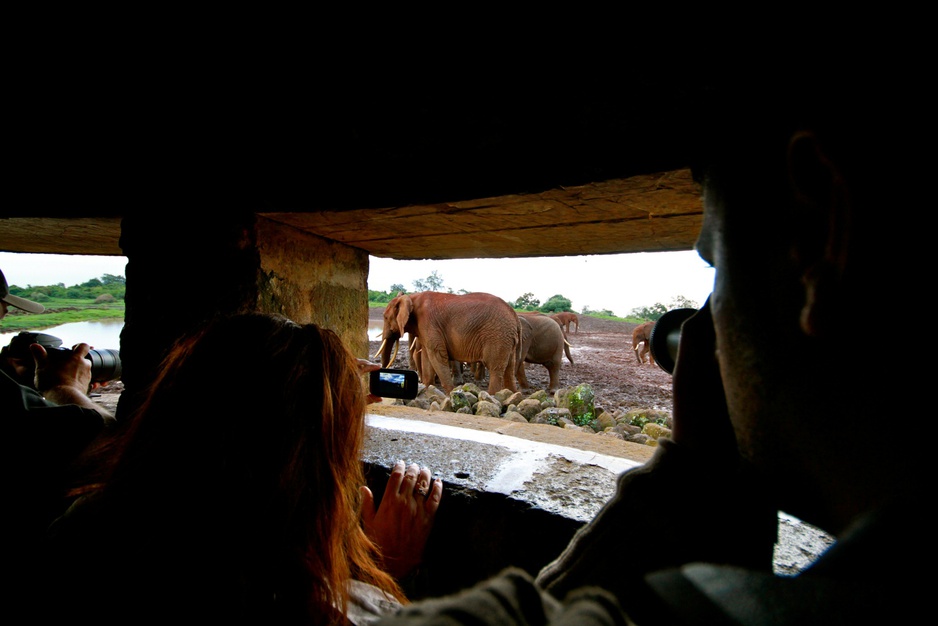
<point>556,304</point>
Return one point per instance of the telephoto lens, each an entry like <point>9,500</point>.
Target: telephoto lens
<point>105,365</point>
<point>666,336</point>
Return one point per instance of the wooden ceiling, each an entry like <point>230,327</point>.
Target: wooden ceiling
<point>403,174</point>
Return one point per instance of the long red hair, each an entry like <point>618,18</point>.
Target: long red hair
<point>242,466</point>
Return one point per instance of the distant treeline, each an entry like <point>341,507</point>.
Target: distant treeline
<point>116,286</point>
<point>527,301</point>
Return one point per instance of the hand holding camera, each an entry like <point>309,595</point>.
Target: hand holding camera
<point>59,365</point>
<point>388,383</point>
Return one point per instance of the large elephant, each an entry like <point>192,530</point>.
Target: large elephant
<point>565,318</point>
<point>543,343</point>
<point>641,334</point>
<point>460,327</point>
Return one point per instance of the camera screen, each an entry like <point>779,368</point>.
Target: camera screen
<point>391,383</point>
<point>392,378</point>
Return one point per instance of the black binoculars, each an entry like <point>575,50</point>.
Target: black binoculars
<point>105,364</point>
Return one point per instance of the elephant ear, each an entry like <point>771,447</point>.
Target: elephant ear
<point>404,308</point>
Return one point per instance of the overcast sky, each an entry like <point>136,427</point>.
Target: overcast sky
<point>616,282</point>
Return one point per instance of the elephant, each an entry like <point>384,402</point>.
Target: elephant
<point>542,342</point>
<point>642,335</point>
<point>565,318</point>
<point>459,327</point>
<point>425,371</point>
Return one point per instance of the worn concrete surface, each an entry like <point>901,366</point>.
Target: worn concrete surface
<point>566,473</point>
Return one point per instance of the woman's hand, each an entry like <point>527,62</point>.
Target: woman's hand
<point>401,525</point>
<point>366,367</point>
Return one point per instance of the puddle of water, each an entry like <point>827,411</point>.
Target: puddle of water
<point>107,334</point>
<point>101,335</point>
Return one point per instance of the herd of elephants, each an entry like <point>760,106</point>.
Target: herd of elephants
<point>483,331</point>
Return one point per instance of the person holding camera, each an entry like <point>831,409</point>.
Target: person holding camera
<point>236,493</point>
<point>46,425</point>
<point>813,219</point>
<point>59,379</point>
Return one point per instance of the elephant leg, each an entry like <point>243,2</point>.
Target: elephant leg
<point>553,369</point>
<point>427,373</point>
<point>645,350</point>
<point>440,363</point>
<point>501,374</point>
<point>456,367</point>
<point>522,378</point>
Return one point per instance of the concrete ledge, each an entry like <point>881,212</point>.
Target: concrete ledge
<point>566,481</point>
<point>506,500</point>
<point>514,494</point>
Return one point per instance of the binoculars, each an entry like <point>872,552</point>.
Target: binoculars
<point>105,364</point>
<point>666,335</point>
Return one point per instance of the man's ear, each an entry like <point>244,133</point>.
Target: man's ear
<point>822,233</point>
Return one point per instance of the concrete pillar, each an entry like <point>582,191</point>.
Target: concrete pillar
<point>182,269</point>
<point>311,279</point>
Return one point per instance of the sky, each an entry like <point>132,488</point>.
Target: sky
<point>614,282</point>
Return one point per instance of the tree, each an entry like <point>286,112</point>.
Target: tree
<point>680,302</point>
<point>555,304</point>
<point>111,279</point>
<point>433,282</point>
<point>652,314</point>
<point>397,288</point>
<point>527,302</point>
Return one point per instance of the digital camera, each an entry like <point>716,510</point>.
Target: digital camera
<point>105,364</point>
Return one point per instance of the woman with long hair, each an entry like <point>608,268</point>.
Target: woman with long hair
<point>236,492</point>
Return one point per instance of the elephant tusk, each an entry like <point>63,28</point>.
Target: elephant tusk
<point>410,348</point>
<point>397,344</point>
<point>567,342</point>
<point>380,348</point>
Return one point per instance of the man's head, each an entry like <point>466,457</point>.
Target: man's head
<point>804,200</point>
<point>6,298</point>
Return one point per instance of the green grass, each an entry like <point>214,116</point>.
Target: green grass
<point>61,311</point>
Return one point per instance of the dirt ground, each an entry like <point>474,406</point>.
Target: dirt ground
<point>603,357</point>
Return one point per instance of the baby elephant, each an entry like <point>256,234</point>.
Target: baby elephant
<point>642,335</point>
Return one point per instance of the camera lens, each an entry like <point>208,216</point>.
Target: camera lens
<point>105,365</point>
<point>666,335</point>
